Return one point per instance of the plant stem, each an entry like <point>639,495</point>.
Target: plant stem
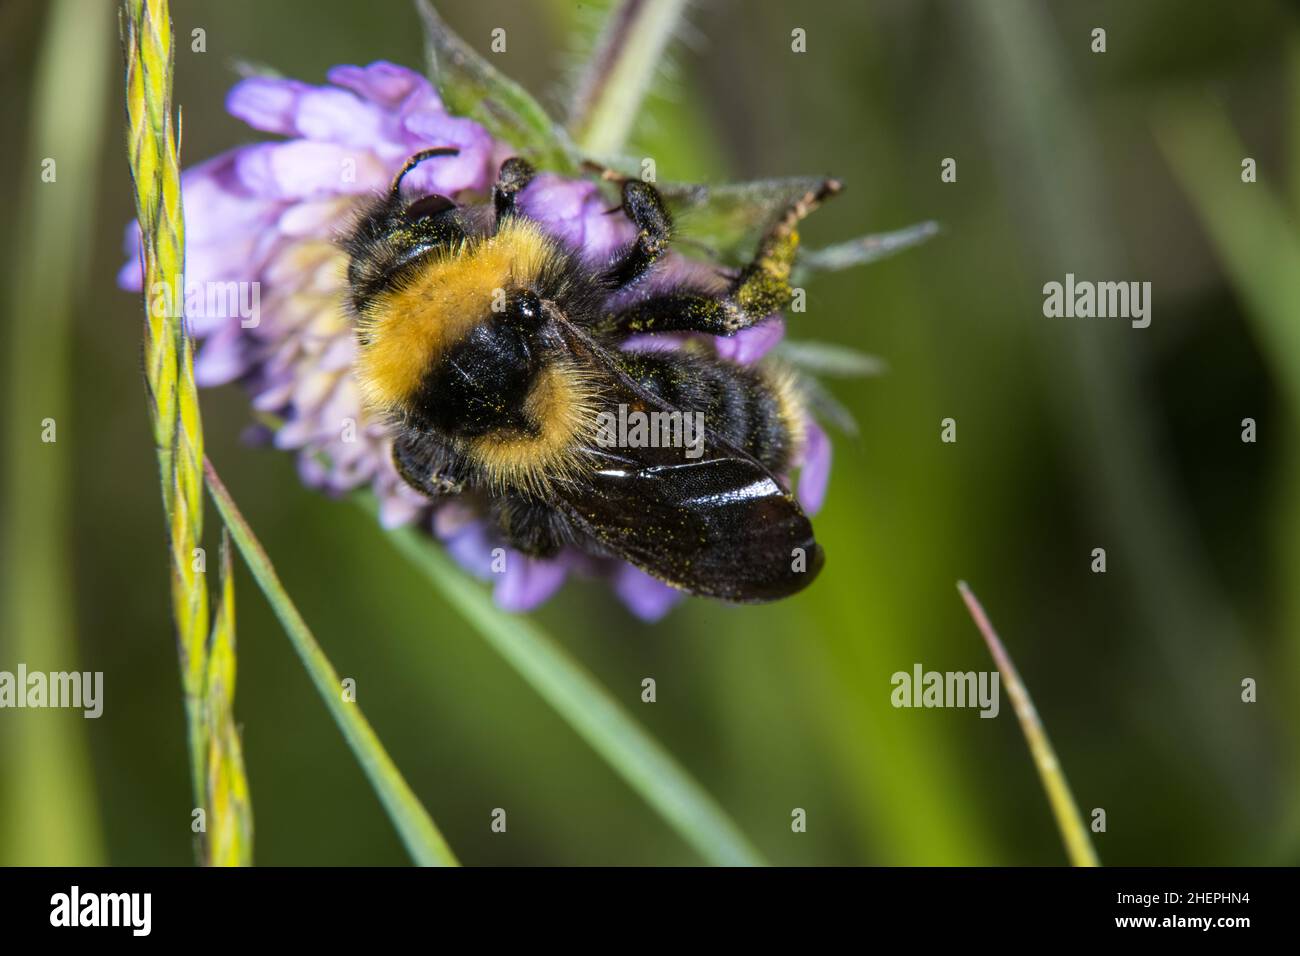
<point>608,96</point>
<point>588,708</point>
<point>416,828</point>
<point>169,367</point>
<point>1073,831</point>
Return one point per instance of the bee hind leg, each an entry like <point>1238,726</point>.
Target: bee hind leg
<point>761,288</point>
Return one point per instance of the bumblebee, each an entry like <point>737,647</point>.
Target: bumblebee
<point>494,352</point>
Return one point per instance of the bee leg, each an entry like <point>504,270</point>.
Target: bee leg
<point>428,465</point>
<point>677,312</point>
<point>643,205</point>
<point>515,174</point>
<point>530,527</point>
<point>761,288</point>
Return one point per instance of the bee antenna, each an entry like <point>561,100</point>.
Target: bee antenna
<point>416,160</point>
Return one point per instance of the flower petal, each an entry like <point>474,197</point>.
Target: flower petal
<point>815,471</point>
<point>527,582</point>
<point>384,83</point>
<point>221,357</point>
<point>646,597</point>
<point>338,116</point>
<point>396,510</point>
<point>472,549</point>
<point>267,103</point>
<point>131,276</point>
<point>305,169</point>
<point>575,212</point>
<point>749,345</point>
<point>447,174</point>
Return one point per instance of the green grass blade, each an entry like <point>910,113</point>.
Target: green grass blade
<point>1249,225</point>
<point>587,707</point>
<point>1074,832</point>
<point>416,828</point>
<point>1253,231</point>
<point>47,791</point>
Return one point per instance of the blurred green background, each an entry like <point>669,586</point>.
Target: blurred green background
<point>1072,435</point>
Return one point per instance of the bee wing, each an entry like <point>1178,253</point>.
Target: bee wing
<point>719,525</point>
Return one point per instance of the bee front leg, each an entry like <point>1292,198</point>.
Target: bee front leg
<point>428,464</point>
<point>761,288</point>
<point>514,175</point>
<point>645,207</point>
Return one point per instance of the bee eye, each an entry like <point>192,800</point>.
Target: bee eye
<point>523,311</point>
<point>428,207</point>
<point>528,308</point>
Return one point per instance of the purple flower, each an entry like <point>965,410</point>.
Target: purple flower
<point>262,222</point>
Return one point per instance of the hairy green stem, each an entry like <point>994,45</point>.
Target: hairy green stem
<point>216,773</point>
<point>607,99</point>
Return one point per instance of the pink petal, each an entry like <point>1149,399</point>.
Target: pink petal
<point>472,549</point>
<point>221,357</point>
<point>396,511</point>
<point>447,174</point>
<point>451,518</point>
<point>130,277</point>
<point>384,83</point>
<point>337,116</point>
<point>304,169</point>
<point>312,218</point>
<point>815,470</point>
<point>527,582</point>
<point>267,103</point>
<point>646,597</point>
<point>749,345</point>
<point>576,213</point>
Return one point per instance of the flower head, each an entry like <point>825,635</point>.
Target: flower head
<point>268,274</point>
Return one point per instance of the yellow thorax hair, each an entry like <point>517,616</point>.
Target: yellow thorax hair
<point>408,329</point>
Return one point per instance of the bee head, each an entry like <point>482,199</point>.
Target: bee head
<point>393,234</point>
<point>432,284</point>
